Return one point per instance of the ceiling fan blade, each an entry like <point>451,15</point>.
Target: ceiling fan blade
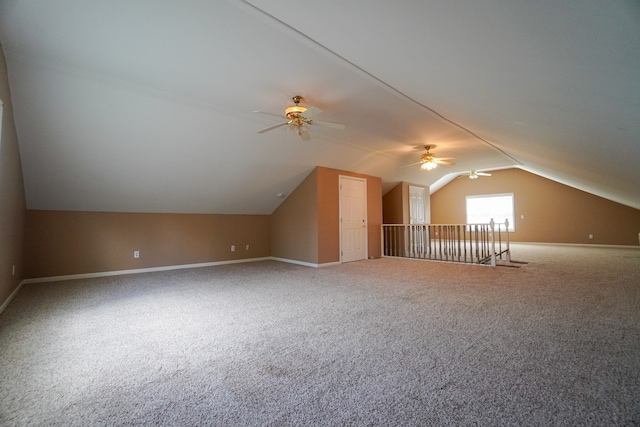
<point>443,162</point>
<point>331,125</point>
<point>310,112</point>
<point>483,174</point>
<point>269,114</point>
<point>272,127</point>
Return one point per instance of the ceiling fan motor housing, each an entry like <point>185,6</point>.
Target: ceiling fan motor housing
<point>294,111</point>
<point>426,158</point>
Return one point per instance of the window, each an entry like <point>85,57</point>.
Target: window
<point>480,209</point>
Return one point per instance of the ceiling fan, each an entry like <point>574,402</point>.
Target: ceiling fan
<point>298,118</point>
<point>428,161</point>
<point>474,174</point>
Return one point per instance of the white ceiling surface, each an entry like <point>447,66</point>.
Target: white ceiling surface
<point>147,106</point>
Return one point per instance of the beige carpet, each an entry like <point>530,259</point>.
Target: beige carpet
<point>376,342</point>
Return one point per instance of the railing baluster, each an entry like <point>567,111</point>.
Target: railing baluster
<point>466,243</point>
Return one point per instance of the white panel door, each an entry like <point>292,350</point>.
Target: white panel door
<point>353,219</point>
<point>416,205</point>
<point>417,215</point>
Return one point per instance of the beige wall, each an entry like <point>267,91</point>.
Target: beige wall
<point>62,243</point>
<point>306,226</point>
<point>553,212</point>
<point>12,205</point>
<point>294,224</point>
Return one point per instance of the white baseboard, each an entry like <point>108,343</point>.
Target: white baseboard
<point>585,245</point>
<point>304,263</point>
<point>329,264</point>
<point>140,270</point>
<point>295,261</point>
<point>13,294</point>
<point>150,270</point>
<point>163,268</point>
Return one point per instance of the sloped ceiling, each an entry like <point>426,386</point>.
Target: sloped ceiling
<point>147,106</point>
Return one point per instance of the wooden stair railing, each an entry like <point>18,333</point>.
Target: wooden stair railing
<point>466,243</point>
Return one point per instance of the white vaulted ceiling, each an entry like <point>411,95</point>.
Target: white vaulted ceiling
<point>147,106</point>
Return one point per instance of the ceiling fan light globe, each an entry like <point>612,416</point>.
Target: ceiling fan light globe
<point>428,166</point>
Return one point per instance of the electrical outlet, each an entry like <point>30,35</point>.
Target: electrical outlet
<point>136,254</point>
<point>233,248</point>
<point>591,236</point>
<point>246,248</point>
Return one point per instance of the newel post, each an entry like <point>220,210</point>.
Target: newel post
<point>493,243</point>
<point>506,224</point>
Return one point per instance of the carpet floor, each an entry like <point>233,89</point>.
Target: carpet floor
<point>376,342</point>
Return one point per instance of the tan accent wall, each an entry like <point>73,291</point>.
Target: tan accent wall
<point>294,224</point>
<point>12,196</point>
<point>553,212</point>
<point>396,209</point>
<point>393,205</point>
<point>62,243</point>
<point>329,214</point>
